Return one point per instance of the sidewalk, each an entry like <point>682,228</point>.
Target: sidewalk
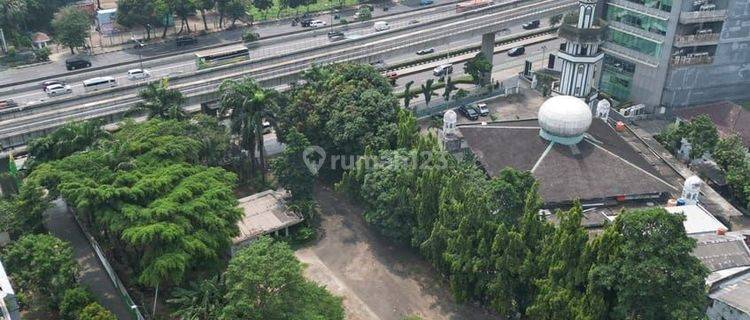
<point>62,225</point>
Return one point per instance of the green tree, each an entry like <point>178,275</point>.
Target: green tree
<point>71,27</point>
<point>233,10</point>
<point>408,130</point>
<point>159,101</point>
<point>729,151</point>
<point>290,169</point>
<point>644,254</point>
<point>449,87</point>
<point>264,6</point>
<point>95,311</point>
<point>263,278</point>
<point>364,14</point>
<point>64,141</point>
<point>73,302</point>
<point>407,93</point>
<point>203,6</point>
<point>132,13</point>
<point>702,135</point>
<point>201,300</point>
<point>247,104</point>
<point>478,67</point>
<point>183,9</point>
<point>42,267</point>
<point>23,214</point>
<point>427,91</point>
<point>738,179</point>
<point>554,20</point>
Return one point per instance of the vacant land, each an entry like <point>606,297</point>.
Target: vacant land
<point>378,279</point>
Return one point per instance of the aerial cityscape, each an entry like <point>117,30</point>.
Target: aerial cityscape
<point>375,159</point>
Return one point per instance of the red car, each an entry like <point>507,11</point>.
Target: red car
<point>392,75</point>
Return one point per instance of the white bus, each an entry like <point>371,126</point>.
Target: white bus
<point>215,57</point>
<point>94,84</point>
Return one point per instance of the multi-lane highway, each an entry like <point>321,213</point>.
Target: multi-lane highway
<point>17,127</point>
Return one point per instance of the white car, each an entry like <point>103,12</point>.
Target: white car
<point>136,74</point>
<point>317,23</point>
<point>57,90</point>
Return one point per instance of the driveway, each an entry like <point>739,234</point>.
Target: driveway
<point>377,278</point>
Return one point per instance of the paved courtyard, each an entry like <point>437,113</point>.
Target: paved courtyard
<point>378,279</point>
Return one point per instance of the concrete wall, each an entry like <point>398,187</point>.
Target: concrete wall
<point>721,311</point>
<point>729,75</point>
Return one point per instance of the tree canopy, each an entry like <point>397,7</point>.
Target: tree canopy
<point>71,27</point>
<point>478,67</point>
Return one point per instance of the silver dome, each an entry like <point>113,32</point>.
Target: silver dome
<point>564,117</point>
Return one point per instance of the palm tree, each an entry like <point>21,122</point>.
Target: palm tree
<point>249,105</point>
<point>427,91</point>
<point>201,300</point>
<point>161,102</point>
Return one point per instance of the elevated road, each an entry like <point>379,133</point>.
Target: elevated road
<point>16,128</point>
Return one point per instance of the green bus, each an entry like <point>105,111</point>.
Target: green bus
<point>210,58</point>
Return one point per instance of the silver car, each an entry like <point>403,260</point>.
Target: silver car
<point>57,90</point>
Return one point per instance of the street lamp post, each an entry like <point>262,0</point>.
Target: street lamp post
<point>140,46</point>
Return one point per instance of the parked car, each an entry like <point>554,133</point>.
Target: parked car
<point>185,40</point>
<point>426,2</point>
<point>77,63</point>
<point>317,23</point>
<point>58,90</point>
<point>379,65</point>
<point>7,103</point>
<point>48,83</point>
<point>483,109</point>
<point>136,74</point>
<point>306,22</point>
<point>442,70</point>
<point>469,112</point>
<point>392,75</point>
<point>531,25</point>
<point>426,51</point>
<point>517,51</point>
<point>335,35</point>
<point>381,25</point>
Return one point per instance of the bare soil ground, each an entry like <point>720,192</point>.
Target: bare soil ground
<point>377,278</point>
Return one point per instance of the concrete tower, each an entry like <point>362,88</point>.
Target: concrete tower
<point>691,190</point>
<point>581,57</point>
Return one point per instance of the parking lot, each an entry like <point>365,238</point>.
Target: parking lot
<point>377,278</point>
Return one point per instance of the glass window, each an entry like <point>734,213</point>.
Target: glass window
<point>663,5</point>
<point>634,43</point>
<point>638,20</point>
<point>617,77</point>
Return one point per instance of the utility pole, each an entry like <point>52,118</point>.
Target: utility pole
<point>139,48</point>
<point>2,38</point>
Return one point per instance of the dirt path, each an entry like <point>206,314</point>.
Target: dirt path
<point>379,280</point>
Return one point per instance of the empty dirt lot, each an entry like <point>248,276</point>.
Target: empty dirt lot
<point>378,280</point>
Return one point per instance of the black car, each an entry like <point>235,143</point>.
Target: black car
<point>531,25</point>
<point>77,63</point>
<point>186,40</point>
<point>517,51</point>
<point>335,35</point>
<point>426,51</point>
<point>469,112</point>
<point>306,22</point>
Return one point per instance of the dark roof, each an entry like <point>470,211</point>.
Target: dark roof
<point>730,118</point>
<point>719,252</point>
<point>601,166</point>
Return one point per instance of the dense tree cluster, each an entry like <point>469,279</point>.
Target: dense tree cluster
<point>20,17</point>
<point>263,281</point>
<point>148,197</point>
<point>700,132</point>
<point>487,237</point>
<point>71,27</point>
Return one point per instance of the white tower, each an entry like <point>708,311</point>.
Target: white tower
<point>602,109</point>
<point>449,123</point>
<point>581,57</point>
<point>691,189</point>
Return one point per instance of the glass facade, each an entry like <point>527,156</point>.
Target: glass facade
<point>663,5</point>
<point>634,42</point>
<point>638,20</point>
<point>617,77</point>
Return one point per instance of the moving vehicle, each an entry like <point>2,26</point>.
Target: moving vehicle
<point>136,74</point>
<point>517,51</point>
<point>442,70</point>
<point>426,2</point>
<point>335,35</point>
<point>77,63</point>
<point>469,112</point>
<point>426,51</point>
<point>415,21</point>
<point>531,25</point>
<point>305,23</point>
<point>482,109</point>
<point>381,26</point>
<point>8,103</point>
<point>471,5</point>
<point>48,83</point>
<point>379,65</point>
<point>99,83</point>
<point>317,23</point>
<point>209,58</point>
<point>57,90</point>
<point>392,75</point>
<point>185,40</point>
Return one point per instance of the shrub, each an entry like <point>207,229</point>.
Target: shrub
<point>42,54</point>
<point>95,311</point>
<point>250,36</point>
<point>73,301</point>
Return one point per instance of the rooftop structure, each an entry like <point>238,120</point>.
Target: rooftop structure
<point>697,219</point>
<point>571,155</point>
<point>264,213</point>
<point>731,299</point>
<point>729,118</point>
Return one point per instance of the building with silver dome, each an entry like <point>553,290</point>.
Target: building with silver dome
<point>572,154</point>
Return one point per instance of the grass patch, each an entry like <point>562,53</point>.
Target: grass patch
<point>746,105</point>
<point>277,11</point>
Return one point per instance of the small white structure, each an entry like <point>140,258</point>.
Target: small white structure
<point>685,148</point>
<point>564,119</point>
<point>264,213</point>
<point>9,308</point>
<point>602,109</point>
<point>697,219</point>
<point>691,190</point>
<point>39,40</point>
<point>449,122</point>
